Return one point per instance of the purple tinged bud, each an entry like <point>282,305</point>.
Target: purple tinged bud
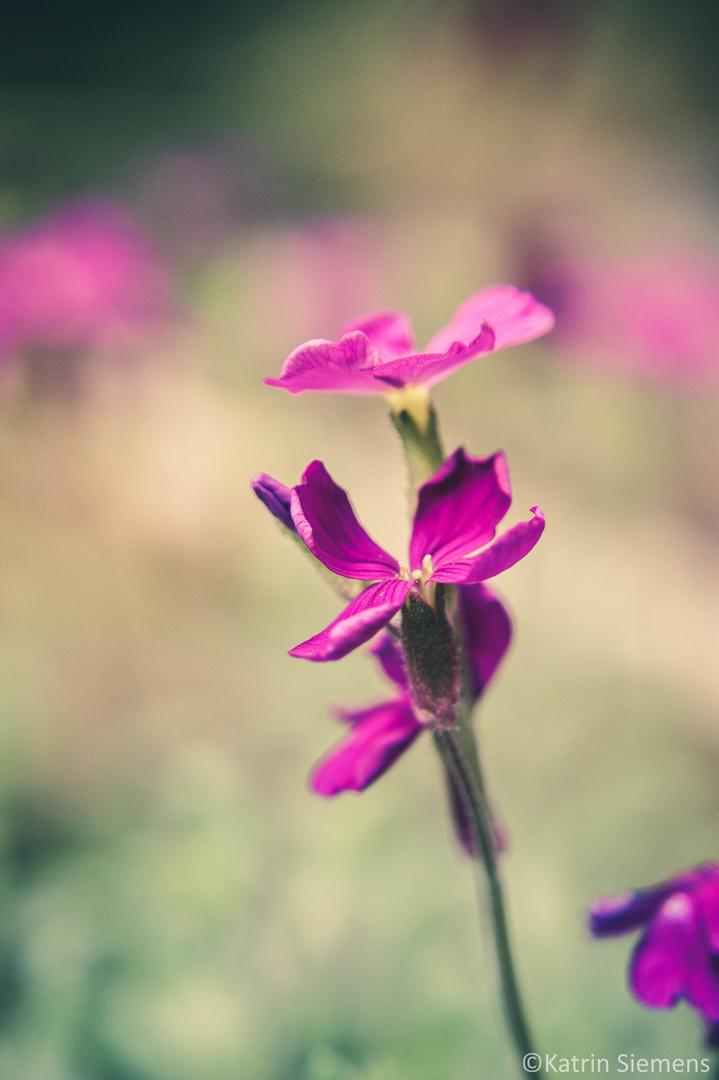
<point>276,497</point>
<point>463,826</point>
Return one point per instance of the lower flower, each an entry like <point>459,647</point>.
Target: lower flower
<point>379,734</point>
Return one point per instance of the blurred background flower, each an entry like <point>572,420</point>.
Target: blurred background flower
<point>653,315</point>
<point>85,279</point>
<point>175,904</point>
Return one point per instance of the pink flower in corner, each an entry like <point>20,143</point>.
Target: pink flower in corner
<point>380,733</point>
<point>678,952</point>
<point>377,354</point>
<point>85,277</point>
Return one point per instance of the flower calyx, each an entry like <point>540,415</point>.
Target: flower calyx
<point>431,657</point>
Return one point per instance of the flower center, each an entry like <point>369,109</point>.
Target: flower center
<point>426,572</point>
<point>422,576</point>
<point>413,399</point>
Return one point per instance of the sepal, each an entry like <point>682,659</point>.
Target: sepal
<point>431,657</point>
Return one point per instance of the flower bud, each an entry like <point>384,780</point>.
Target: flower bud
<point>276,497</point>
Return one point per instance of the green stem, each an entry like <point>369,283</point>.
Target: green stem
<point>458,749</point>
<point>422,443</point>
<point>454,757</point>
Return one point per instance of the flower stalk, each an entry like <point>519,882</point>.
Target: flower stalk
<point>454,630</point>
<point>421,443</point>
<point>430,648</point>
<point>453,755</point>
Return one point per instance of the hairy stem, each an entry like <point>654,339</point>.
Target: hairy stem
<point>422,444</point>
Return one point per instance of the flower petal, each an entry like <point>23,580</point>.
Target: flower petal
<point>707,900</point>
<point>621,914</point>
<point>499,556</point>
<point>359,621</point>
<point>431,367</point>
<point>670,960</point>
<point>389,331</point>
<point>391,657</point>
<point>373,744</point>
<point>514,315</point>
<point>487,633</point>
<point>329,367</point>
<point>351,717</point>
<point>459,508</point>
<point>613,915</point>
<point>276,497</point>
<point>324,518</point>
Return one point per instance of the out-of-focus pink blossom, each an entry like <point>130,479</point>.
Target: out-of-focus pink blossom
<point>85,277</point>
<point>653,315</point>
<point>320,272</point>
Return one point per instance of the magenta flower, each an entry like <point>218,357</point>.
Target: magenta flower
<point>453,541</point>
<point>85,277</point>
<point>677,955</point>
<point>380,733</point>
<point>377,354</point>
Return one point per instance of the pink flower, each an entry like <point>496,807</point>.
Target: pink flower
<point>319,271</point>
<point>377,354</point>
<point>678,952</point>
<point>85,277</point>
<point>656,316</point>
<point>453,541</point>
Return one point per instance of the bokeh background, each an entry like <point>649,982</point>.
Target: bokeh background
<point>174,904</point>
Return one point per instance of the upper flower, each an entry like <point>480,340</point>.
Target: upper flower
<point>86,276</point>
<point>458,510</point>
<point>377,353</point>
<point>677,956</point>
